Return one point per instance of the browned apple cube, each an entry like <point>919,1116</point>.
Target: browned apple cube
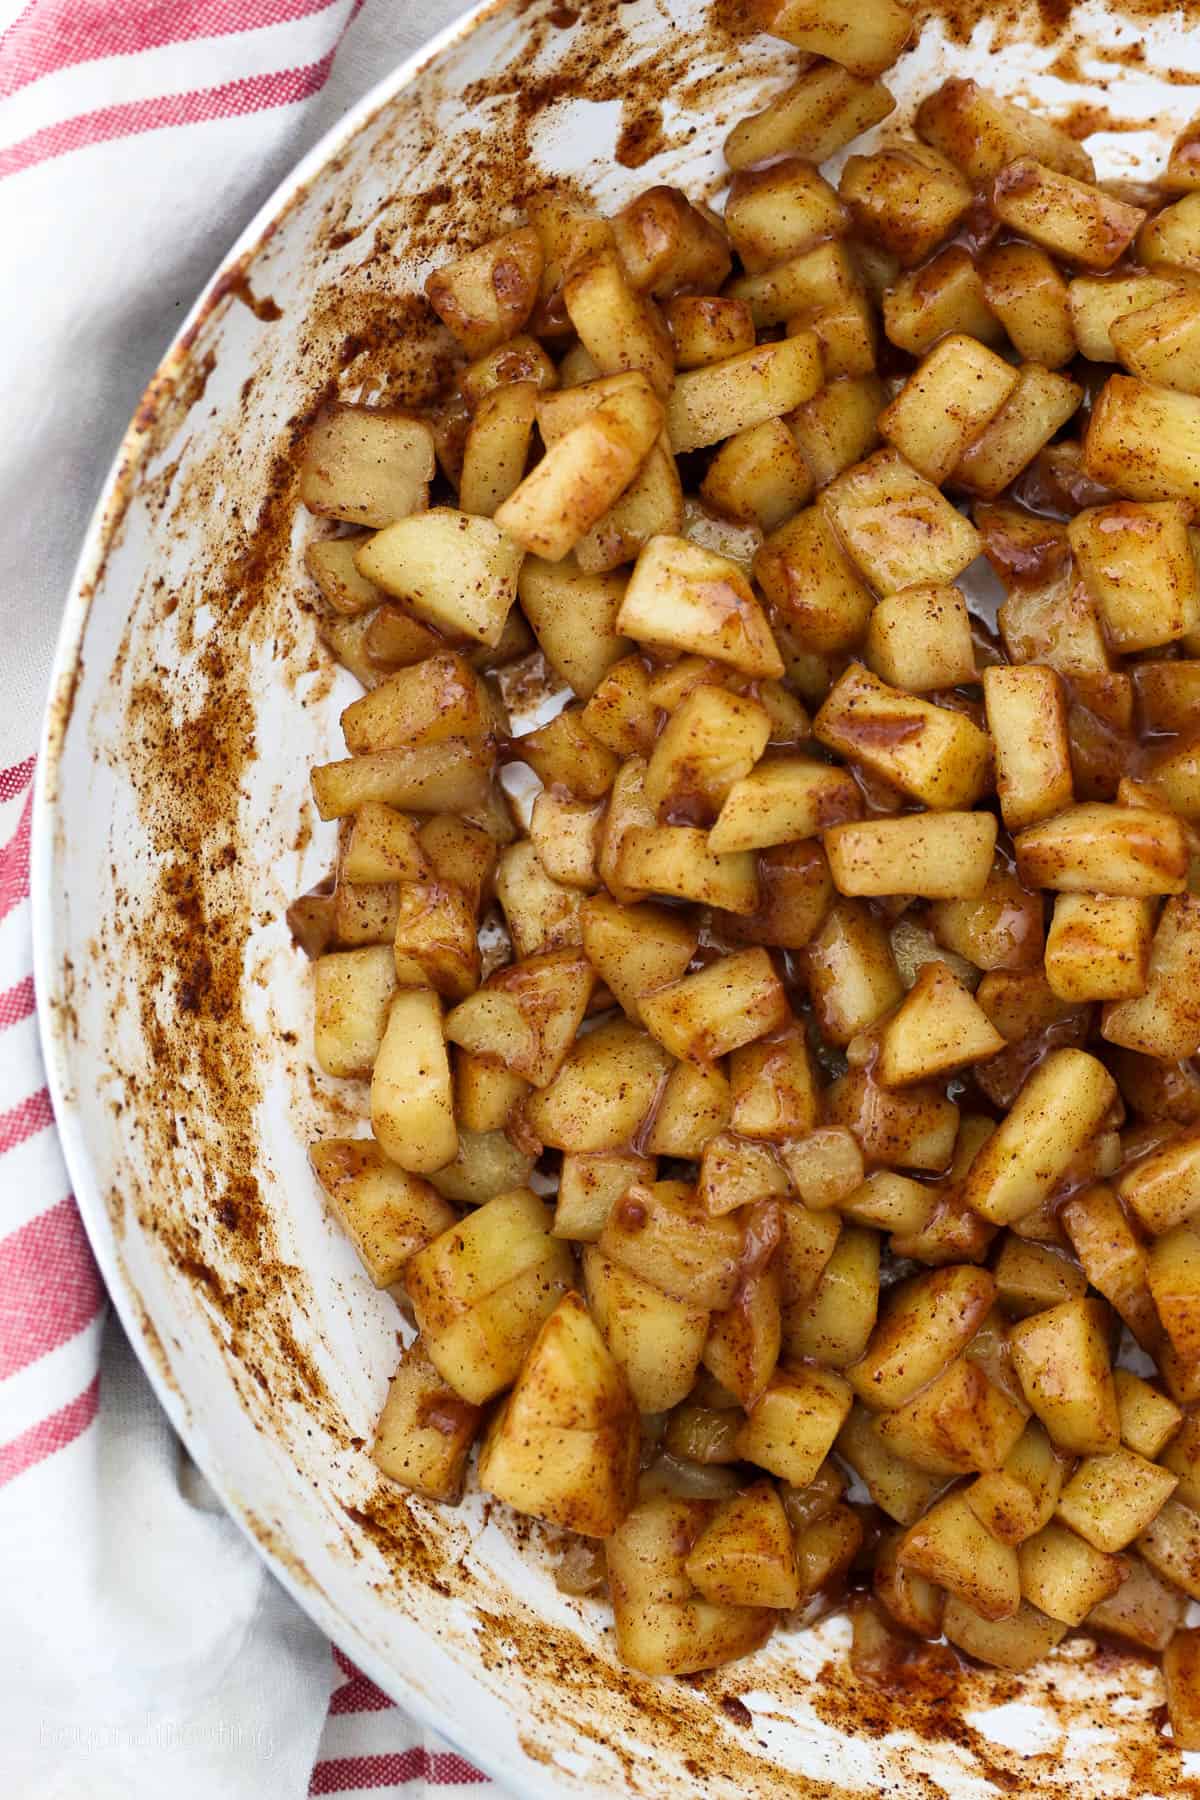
<point>525,1016</point>
<point>822,110</point>
<point>791,1429</point>
<point>865,39</point>
<point>663,1627</point>
<point>1038,407</point>
<point>833,1322</point>
<point>950,1547</point>
<point>1102,849</point>
<point>920,639</point>
<point>713,402</point>
<point>564,1445</point>
<point>1055,1115</point>
<point>368,465</point>
<point>926,1321</point>
<point>1070,218</point>
<point>487,295</point>
<point>1164,1021</point>
<point>981,132</point>
<point>746,1557</point>
<point>930,752</point>
<point>1061,1357</point>
<point>1111,1499</point>
<point>663,1232</point>
<point>945,294</point>
<point>946,404</point>
<point>959,1423</point>
<point>729,1003</point>
<point>425,1430</point>
<point>707,328</point>
<point>1144,1609</point>
<point>897,526</point>
<point>1064,1576</point>
<point>1098,946</point>
<point>907,197</point>
<point>683,597</point>
<point>934,855</point>
<point>1027,719</point>
<point>620,330</point>
<point>1144,441</point>
<point>667,243</point>
<point>1015,1502</point>
<point>1025,291</point>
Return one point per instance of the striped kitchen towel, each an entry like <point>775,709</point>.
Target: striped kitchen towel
<point>143,1648</point>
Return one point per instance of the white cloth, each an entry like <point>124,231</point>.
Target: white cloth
<point>144,1650</point>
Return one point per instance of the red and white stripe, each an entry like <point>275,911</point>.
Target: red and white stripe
<point>127,98</point>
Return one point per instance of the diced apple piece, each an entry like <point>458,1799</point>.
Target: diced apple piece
<point>662,1627</point>
<point>729,1003</point>
<point>791,1428</point>
<point>745,1556</point>
<point>425,1430</point>
<point>525,1017</point>
<point>482,1290</point>
<point>412,1109</point>
<point>367,465</point>
<point>564,1445</point>
<point>939,1026</point>
<point>657,1340</point>
<point>949,1546</point>
<point>1061,1359</point>
<point>1055,1115</point>
<point>387,1213</point>
<point>684,597</point>
<point>926,1321</point>
<point>454,570</point>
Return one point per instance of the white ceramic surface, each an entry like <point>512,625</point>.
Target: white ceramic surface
<point>173,825</point>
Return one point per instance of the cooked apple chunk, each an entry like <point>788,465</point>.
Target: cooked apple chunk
<point>684,597</point>
<point>930,752</point>
<point>564,1445</point>
<point>950,1547</point>
<point>367,465</point>
<point>824,109</point>
<point>664,1626</point>
<point>866,39</point>
<point>583,473</point>
<point>897,526</point>
<point>927,1320</point>
<point>525,1017</point>
<point>425,1430</point>
<point>412,1107</point>
<point>1055,1115</point>
<point>730,1003</point>
<point>946,404</point>
<point>657,1340</point>
<point>715,402</point>
<point>663,1232</point>
<point>454,570</point>
<point>1072,219</point>
<point>387,1213</point>
<point>745,1556</point>
<point>791,1428</point>
<point>1061,1358</point>
<point>482,1290</point>
<point>940,856</point>
<point>487,295</point>
<point>938,1027</point>
<point>981,132</point>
